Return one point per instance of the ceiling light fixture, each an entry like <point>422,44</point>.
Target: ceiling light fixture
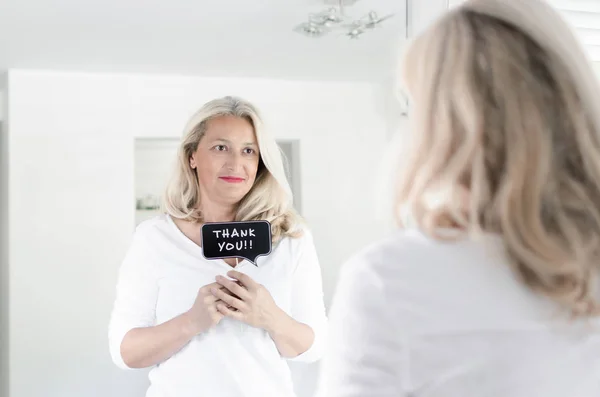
<point>335,18</point>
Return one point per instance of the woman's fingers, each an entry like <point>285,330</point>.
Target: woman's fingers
<point>229,312</point>
<point>208,296</point>
<point>232,301</point>
<point>247,282</point>
<point>233,287</point>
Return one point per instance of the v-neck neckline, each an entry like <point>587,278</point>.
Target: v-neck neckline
<point>199,248</point>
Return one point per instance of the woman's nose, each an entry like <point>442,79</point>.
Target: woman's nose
<point>233,161</point>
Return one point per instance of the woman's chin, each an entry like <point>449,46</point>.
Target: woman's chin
<point>233,197</point>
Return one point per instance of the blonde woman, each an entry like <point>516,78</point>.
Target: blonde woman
<point>202,333</point>
<point>493,292</point>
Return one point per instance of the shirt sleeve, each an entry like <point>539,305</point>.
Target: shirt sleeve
<point>364,354</point>
<point>136,295</point>
<point>307,303</point>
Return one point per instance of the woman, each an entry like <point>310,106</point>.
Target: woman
<point>219,328</point>
<point>492,293</point>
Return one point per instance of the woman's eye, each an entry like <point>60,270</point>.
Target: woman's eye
<point>220,148</point>
<point>249,151</point>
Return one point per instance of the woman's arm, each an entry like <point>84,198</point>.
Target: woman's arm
<point>302,337</point>
<point>291,337</point>
<point>145,347</point>
<point>366,352</point>
<point>135,340</point>
<point>298,336</point>
<point>136,295</point>
<point>251,303</point>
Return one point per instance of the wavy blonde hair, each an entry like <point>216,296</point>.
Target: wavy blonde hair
<point>506,124</point>
<point>270,197</point>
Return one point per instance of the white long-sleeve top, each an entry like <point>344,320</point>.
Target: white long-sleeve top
<point>413,316</point>
<point>160,278</point>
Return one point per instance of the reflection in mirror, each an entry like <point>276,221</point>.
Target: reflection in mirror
<point>185,307</point>
<point>93,132</point>
<point>154,160</point>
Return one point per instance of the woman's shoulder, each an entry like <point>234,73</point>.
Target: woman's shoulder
<point>384,254</point>
<point>152,227</point>
<point>300,240</point>
<point>150,223</point>
<point>298,234</point>
<point>409,254</point>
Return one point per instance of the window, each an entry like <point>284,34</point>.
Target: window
<point>582,15</point>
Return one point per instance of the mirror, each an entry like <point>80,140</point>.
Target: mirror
<point>96,97</point>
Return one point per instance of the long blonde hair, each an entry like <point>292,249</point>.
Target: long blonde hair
<point>506,124</point>
<point>270,197</point>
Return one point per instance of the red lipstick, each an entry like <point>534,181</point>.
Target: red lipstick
<point>231,179</point>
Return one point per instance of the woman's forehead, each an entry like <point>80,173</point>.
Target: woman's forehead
<point>230,129</point>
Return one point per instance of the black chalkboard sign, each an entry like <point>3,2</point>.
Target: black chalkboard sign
<point>247,240</point>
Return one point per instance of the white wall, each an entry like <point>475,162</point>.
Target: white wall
<point>4,279</point>
<point>72,202</point>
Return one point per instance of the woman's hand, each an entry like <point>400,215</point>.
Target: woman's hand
<point>204,314</point>
<point>248,301</point>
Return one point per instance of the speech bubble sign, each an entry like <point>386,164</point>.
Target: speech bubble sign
<point>247,240</point>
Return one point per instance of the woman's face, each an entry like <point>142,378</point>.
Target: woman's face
<point>226,160</point>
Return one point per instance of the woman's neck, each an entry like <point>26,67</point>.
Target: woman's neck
<point>217,213</point>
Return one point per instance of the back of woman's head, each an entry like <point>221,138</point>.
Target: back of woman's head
<point>270,197</point>
<point>506,119</point>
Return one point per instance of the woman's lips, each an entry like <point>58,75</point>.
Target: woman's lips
<point>231,179</point>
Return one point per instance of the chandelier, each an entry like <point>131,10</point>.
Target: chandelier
<point>335,19</point>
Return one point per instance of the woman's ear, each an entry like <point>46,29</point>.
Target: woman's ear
<point>192,162</point>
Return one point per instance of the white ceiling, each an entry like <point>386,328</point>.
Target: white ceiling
<point>203,37</point>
